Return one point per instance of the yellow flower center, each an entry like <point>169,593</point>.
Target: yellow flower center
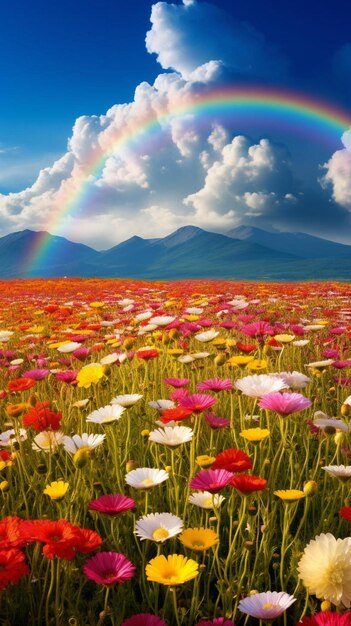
<point>198,544</point>
<point>160,533</point>
<point>208,502</point>
<point>147,482</point>
<point>268,606</point>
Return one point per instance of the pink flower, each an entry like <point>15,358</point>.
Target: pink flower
<point>38,374</point>
<point>112,504</point>
<point>177,382</point>
<point>179,394</point>
<point>258,329</point>
<point>341,364</point>
<point>67,376</point>
<point>197,402</point>
<point>81,353</point>
<point>216,422</point>
<point>211,480</point>
<point>144,619</point>
<point>215,384</point>
<point>216,621</point>
<point>108,568</point>
<point>327,618</point>
<point>284,403</point>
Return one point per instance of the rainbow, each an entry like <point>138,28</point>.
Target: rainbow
<point>258,107</point>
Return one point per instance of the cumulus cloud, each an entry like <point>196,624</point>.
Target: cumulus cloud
<point>338,173</point>
<point>189,35</point>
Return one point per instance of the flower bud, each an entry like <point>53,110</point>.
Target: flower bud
<point>4,485</point>
<point>130,465</point>
<point>81,458</point>
<point>41,468</point>
<point>339,438</point>
<point>310,488</point>
<point>220,359</point>
<point>345,410</point>
<point>325,605</point>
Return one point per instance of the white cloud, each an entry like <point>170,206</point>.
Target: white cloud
<point>338,173</point>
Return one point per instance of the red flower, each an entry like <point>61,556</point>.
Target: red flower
<point>10,533</point>
<point>327,618</point>
<point>12,567</point>
<point>177,415</point>
<point>41,418</point>
<point>232,460</point>
<point>87,541</point>
<point>345,512</point>
<point>21,384</point>
<point>60,537</point>
<point>147,354</point>
<point>246,347</point>
<point>246,483</point>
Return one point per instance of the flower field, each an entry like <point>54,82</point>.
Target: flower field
<point>175,453</point>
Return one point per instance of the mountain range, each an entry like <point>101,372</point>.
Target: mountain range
<point>245,253</point>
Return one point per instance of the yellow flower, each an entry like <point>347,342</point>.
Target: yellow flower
<point>4,485</point>
<point>284,338</point>
<point>58,344</point>
<point>191,318</point>
<point>257,365</point>
<point>36,330</point>
<point>199,539</point>
<point>204,460</point>
<point>176,569</point>
<point>4,464</point>
<point>290,495</point>
<point>255,434</point>
<point>175,351</point>
<point>56,490</point>
<point>90,375</point>
<point>96,305</point>
<point>239,360</point>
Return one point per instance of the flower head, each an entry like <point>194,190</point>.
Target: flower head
<point>197,402</point>
<point>206,500</point>
<point>327,618</point>
<point>259,385</point>
<point>199,539</point>
<point>176,569</point>
<point>146,477</point>
<point>112,504</point>
<point>158,527</point>
<point>144,619</point>
<point>267,605</point>
<point>232,460</point>
<point>212,480</point>
<point>109,568</point>
<point>284,403</point>
<point>106,415</point>
<point>169,436</point>
<point>56,490</point>
<point>90,375</point>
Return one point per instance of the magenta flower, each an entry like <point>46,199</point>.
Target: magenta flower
<point>327,618</point>
<point>38,374</point>
<point>68,376</point>
<point>144,619</point>
<point>81,353</point>
<point>216,621</point>
<point>177,382</point>
<point>258,329</point>
<point>108,568</point>
<point>330,354</point>
<point>214,421</point>
<point>215,384</point>
<point>112,504</point>
<point>211,480</point>
<point>284,403</point>
<point>197,402</point>
<point>341,364</point>
<point>179,394</point>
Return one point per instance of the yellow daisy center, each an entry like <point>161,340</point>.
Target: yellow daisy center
<point>160,533</point>
<point>268,606</point>
<point>147,482</point>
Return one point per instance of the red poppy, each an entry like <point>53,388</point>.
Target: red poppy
<point>21,384</point>
<point>41,418</point>
<point>87,540</point>
<point>177,415</point>
<point>12,567</point>
<point>59,537</point>
<point>246,483</point>
<point>11,533</point>
<point>232,460</point>
<point>147,354</point>
<point>246,347</point>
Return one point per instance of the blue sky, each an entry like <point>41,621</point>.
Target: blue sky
<point>61,61</point>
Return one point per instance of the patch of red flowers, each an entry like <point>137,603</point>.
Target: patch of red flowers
<point>40,417</point>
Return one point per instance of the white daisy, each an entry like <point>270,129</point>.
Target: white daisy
<point>8,437</point>
<point>5,335</point>
<point>258,385</point>
<point>320,364</point>
<point>77,442</point>
<point>339,471</point>
<point>109,359</point>
<point>127,400</point>
<point>48,441</point>
<point>69,347</point>
<point>169,436</point>
<point>162,405</point>
<point>107,414</point>
<point>207,335</point>
<point>294,380</point>
<point>146,477</point>
<point>206,500</point>
<point>158,527</point>
<point>162,320</point>
<point>267,605</point>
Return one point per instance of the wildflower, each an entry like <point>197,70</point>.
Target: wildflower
<point>176,569</point>
<point>158,527</point>
<point>232,460</point>
<point>206,336</point>
<point>90,375</point>
<point>339,471</point>
<point>109,568</point>
<point>216,621</point>
<point>177,382</point>
<point>257,365</point>
<point>212,480</point>
<point>284,403</point>
<point>255,434</point>
<point>204,460</point>
<point>106,415</point>
<point>258,329</point>
<point>147,353</point>
<point>247,483</point>
<point>112,504</point>
<point>215,384</point>
<point>177,414</point>
<point>56,490</point>
<point>290,495</point>
<point>199,539</point>
<point>325,569</point>
<point>144,619</point>
<point>85,442</point>
<point>214,421</point>
<point>327,618</point>
<point>12,567</point>
<point>9,437</point>
<point>161,405</point>
<point>146,477</point>
<point>294,380</point>
<point>10,533</point>
<point>206,500</point>
<point>259,385</point>
<point>40,417</point>
<point>127,400</point>
<point>48,441</point>
<point>266,606</point>
<point>21,384</point>
<point>169,436</point>
<point>197,402</point>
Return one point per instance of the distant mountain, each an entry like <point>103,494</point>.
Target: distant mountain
<point>246,253</point>
<point>299,244</point>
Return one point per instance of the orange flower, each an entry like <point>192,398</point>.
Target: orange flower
<point>21,384</point>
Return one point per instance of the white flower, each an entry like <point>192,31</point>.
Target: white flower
<point>267,605</point>
<point>300,342</point>
<point>125,302</point>
<point>339,471</point>
<point>143,316</point>
<point>185,358</point>
<point>89,442</point>
<point>200,355</point>
<point>238,304</point>
<point>107,414</point>
<point>147,328</point>
<point>169,436</point>
<point>17,362</point>
<point>162,405</point>
<point>317,364</point>
<point>146,477</point>
<point>127,400</point>
<point>162,320</point>
<point>48,441</point>
<point>325,569</point>
<point>158,526</point>
<point>109,359</point>
<point>80,404</point>
<point>8,437</point>
<point>258,385</point>
<point>294,380</point>
<point>347,401</point>
<point>206,500</point>
<point>314,327</point>
<point>69,347</point>
<point>193,310</point>
<point>322,421</point>
<point>5,335</point>
<point>207,335</point>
